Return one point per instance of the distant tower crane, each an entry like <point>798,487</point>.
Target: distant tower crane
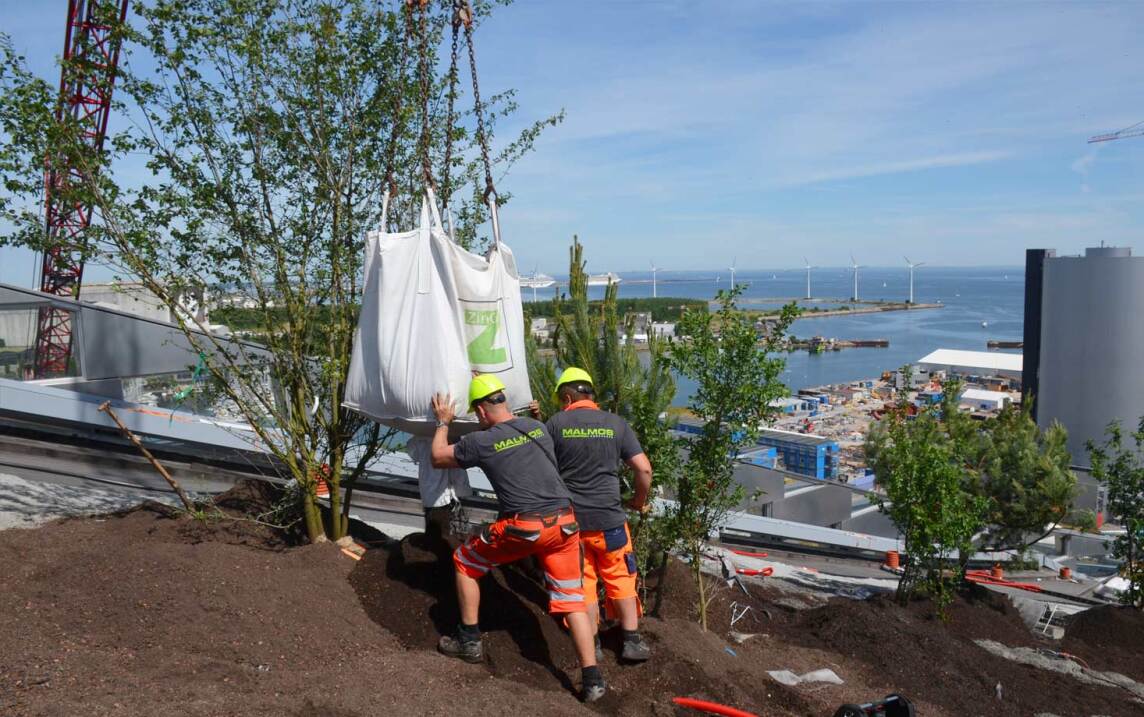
<point>1135,130</point>
<point>91,55</point>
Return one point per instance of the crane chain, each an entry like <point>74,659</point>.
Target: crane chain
<point>423,65</point>
<point>482,136</point>
<point>446,180</point>
<point>398,89</point>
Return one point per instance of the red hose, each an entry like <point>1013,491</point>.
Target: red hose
<point>713,708</point>
<point>751,572</point>
<point>986,580</point>
<point>748,553</point>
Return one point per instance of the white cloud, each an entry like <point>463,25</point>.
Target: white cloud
<point>962,159</point>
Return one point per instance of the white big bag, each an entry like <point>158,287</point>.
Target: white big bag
<point>432,314</point>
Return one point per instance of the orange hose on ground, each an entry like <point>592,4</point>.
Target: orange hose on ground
<point>711,707</point>
<point>748,553</point>
<point>985,580</point>
<point>750,572</point>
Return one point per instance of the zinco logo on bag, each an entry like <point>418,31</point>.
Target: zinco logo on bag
<point>486,338</point>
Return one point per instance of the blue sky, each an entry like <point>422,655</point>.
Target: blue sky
<point>699,131</point>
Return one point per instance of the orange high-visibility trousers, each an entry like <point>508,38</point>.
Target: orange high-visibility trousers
<point>554,540</point>
<point>608,558</point>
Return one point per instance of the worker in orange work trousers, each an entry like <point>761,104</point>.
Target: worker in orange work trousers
<point>535,518</point>
<point>590,444</point>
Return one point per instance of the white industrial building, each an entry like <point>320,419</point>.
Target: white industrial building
<point>981,400</point>
<point>973,363</point>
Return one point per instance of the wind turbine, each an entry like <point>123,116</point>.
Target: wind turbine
<point>654,269</point>
<point>912,267</point>
<point>732,273</point>
<point>855,267</point>
<point>808,268</point>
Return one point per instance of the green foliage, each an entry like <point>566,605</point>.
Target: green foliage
<point>1120,467</point>
<point>1014,483</point>
<point>1084,521</point>
<point>1023,474</point>
<point>660,308</point>
<point>588,335</point>
<point>265,127</point>
<point>736,380</point>
<point>918,463</point>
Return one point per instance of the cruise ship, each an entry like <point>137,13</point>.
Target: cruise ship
<point>604,279</point>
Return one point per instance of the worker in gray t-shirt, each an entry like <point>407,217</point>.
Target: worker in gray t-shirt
<point>590,446</point>
<point>536,518</point>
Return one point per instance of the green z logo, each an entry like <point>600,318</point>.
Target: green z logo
<point>481,349</point>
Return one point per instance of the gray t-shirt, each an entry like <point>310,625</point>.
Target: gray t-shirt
<point>524,478</point>
<point>590,444</point>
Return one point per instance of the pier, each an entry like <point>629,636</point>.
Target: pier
<point>820,344</point>
<point>850,308</point>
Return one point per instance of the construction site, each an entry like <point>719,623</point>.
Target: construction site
<point>275,518</point>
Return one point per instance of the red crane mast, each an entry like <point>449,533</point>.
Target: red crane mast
<point>91,55</point>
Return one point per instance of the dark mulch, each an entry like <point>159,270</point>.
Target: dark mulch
<point>147,613</point>
<point>1108,638</point>
<point>143,614</point>
<point>927,659</point>
<point>408,590</point>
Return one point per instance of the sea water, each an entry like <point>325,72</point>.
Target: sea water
<point>978,304</point>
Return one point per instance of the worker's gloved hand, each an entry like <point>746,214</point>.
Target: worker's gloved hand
<point>443,408</point>
<point>534,409</point>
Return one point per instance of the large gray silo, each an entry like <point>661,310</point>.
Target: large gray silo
<point>1090,363</point>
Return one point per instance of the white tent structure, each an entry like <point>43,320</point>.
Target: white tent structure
<point>992,363</point>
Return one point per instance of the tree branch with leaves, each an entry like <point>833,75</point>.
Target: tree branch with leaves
<point>737,379</point>
<point>266,129</point>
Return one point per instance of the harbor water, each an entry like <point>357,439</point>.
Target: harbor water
<point>978,304</point>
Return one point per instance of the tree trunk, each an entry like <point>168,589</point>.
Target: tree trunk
<point>344,518</point>
<point>657,594</point>
<point>700,586</point>
<point>907,583</point>
<point>337,525</point>
<point>313,517</point>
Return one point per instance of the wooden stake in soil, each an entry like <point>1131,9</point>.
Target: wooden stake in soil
<point>190,506</point>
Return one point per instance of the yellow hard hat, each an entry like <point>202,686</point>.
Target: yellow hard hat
<point>482,386</point>
<point>574,375</point>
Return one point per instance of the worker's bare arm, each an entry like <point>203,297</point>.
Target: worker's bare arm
<point>441,452</point>
<point>641,466</point>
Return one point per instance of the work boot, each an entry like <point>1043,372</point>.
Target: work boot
<point>636,648</point>
<point>599,650</point>
<point>467,650</point>
<point>594,687</point>
<point>594,691</point>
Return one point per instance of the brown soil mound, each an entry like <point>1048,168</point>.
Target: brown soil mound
<point>143,614</point>
<point>146,613</point>
<point>927,659</point>
<point>408,590</point>
<point>1108,638</point>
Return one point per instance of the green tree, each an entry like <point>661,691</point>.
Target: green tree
<point>736,380</point>
<point>919,464</point>
<point>1022,472</point>
<point>270,130</point>
<point>1015,478</point>
<point>1120,467</point>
